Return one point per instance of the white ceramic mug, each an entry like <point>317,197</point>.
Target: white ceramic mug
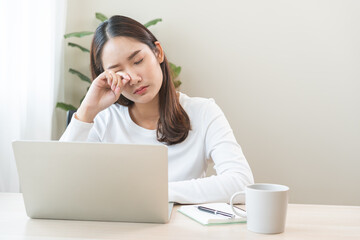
<point>266,206</point>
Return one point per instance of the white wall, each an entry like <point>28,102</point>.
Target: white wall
<point>286,74</point>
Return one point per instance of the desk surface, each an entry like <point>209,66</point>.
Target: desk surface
<point>303,222</point>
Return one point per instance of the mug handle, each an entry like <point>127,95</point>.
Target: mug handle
<point>241,214</point>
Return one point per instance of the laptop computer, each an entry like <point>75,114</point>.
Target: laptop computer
<point>94,181</point>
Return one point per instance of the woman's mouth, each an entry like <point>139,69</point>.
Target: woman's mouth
<point>141,90</point>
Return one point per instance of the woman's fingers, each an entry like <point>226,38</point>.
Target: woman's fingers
<point>109,78</point>
<point>123,79</point>
<point>114,80</point>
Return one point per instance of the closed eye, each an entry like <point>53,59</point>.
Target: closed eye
<point>138,62</point>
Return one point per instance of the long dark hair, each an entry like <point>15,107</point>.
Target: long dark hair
<point>174,123</point>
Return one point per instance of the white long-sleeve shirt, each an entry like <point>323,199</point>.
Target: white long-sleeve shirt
<point>210,137</point>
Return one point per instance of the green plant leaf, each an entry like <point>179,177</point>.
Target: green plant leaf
<point>78,46</point>
<point>101,17</point>
<point>152,22</point>
<point>80,75</point>
<point>78,34</point>
<point>65,106</point>
<point>175,70</point>
<point>177,83</point>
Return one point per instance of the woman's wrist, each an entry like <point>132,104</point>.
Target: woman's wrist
<point>84,114</point>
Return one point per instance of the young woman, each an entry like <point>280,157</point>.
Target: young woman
<point>132,100</point>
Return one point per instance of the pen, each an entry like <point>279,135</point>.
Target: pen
<point>216,212</point>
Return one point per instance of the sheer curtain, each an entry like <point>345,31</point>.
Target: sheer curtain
<point>31,49</point>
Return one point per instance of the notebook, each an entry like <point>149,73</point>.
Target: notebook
<point>206,218</point>
<point>94,181</point>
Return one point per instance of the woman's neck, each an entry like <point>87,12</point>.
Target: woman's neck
<point>146,115</point>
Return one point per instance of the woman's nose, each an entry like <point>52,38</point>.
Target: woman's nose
<point>134,79</point>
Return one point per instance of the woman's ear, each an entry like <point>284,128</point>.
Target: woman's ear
<point>159,53</point>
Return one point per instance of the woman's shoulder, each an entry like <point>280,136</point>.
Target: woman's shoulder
<point>193,102</point>
<point>197,105</point>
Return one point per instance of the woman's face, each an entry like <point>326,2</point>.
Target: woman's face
<point>124,54</point>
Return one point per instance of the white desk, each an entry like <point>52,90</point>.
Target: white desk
<point>303,222</point>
